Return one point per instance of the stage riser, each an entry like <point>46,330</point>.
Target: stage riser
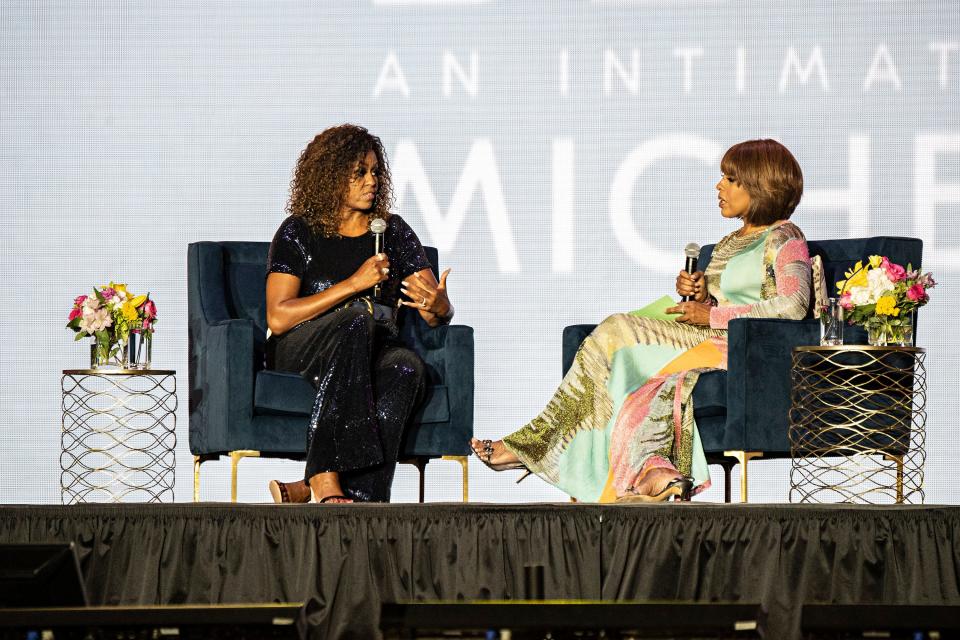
<point>346,560</point>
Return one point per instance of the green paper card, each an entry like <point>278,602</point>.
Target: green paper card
<point>658,310</point>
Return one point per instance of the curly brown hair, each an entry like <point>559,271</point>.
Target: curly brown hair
<point>322,176</point>
<point>770,174</point>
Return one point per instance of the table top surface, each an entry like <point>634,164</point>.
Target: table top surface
<point>119,372</point>
<point>858,347</point>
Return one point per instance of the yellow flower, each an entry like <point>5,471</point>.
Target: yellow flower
<point>887,306</point>
<point>856,277</point>
<point>137,301</point>
<point>875,261</point>
<point>129,312</point>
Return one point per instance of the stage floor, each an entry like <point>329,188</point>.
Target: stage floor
<point>345,560</point>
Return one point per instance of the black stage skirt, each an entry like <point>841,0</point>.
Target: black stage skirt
<point>368,384</point>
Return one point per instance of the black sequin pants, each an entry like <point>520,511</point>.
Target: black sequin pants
<point>367,383</point>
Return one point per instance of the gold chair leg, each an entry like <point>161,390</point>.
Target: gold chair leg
<point>235,457</point>
<point>196,478</point>
<point>463,460</point>
<point>742,458</point>
<point>899,461</point>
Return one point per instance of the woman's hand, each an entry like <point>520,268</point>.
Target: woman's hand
<point>693,285</point>
<point>692,313</point>
<point>286,310</point>
<point>373,271</point>
<point>428,296</point>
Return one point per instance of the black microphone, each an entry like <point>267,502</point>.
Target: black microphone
<point>377,227</point>
<point>692,251</point>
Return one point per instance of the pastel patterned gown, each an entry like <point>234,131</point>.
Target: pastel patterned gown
<point>625,406</point>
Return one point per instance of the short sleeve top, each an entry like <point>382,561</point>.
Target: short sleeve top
<point>322,262</point>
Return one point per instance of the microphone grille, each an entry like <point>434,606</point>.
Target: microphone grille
<point>692,250</point>
<point>379,225</point>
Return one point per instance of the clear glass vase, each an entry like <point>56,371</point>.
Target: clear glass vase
<point>108,355</point>
<point>140,350</point>
<point>891,332</point>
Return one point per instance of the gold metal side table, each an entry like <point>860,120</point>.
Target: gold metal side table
<point>118,436</point>
<point>857,424</point>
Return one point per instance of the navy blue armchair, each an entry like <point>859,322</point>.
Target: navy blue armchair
<point>742,413</point>
<point>239,409</point>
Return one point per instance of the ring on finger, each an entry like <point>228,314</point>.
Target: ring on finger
<point>423,301</point>
<point>384,270</point>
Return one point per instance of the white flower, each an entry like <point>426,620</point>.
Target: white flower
<point>878,283</point>
<point>90,304</point>
<point>860,296</point>
<point>95,320</point>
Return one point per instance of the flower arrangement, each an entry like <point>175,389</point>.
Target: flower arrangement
<point>110,315</point>
<point>881,296</point>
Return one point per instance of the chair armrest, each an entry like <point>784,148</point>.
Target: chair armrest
<point>459,354</point>
<point>448,352</point>
<point>758,379</point>
<point>221,383</point>
<point>573,336</point>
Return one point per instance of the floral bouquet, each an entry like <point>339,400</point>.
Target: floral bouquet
<point>110,315</point>
<point>881,296</point>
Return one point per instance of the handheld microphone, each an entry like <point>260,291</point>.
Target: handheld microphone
<point>377,227</point>
<point>692,251</point>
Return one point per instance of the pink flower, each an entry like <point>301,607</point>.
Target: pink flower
<point>107,293</point>
<point>79,300</point>
<point>149,310</point>
<point>916,293</point>
<point>846,302</point>
<point>74,314</point>
<point>927,281</point>
<point>894,271</point>
<point>145,328</point>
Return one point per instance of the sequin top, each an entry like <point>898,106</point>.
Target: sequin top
<point>321,262</point>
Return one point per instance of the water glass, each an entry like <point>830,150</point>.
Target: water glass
<point>140,350</point>
<point>831,324</point>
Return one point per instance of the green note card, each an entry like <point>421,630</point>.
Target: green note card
<point>658,309</point>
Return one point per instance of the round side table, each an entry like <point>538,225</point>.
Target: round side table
<point>118,435</point>
<point>857,424</point>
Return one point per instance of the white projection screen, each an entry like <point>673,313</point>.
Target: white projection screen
<point>559,154</point>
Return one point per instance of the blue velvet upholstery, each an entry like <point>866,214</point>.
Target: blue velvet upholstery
<point>237,405</point>
<point>746,407</point>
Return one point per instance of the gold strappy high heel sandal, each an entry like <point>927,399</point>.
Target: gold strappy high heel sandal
<point>678,488</point>
<point>487,453</point>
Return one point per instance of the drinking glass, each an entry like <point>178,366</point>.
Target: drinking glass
<point>831,324</point>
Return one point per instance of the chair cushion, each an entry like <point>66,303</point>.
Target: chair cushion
<point>282,393</point>
<point>710,395</point>
<point>287,393</point>
<point>435,406</point>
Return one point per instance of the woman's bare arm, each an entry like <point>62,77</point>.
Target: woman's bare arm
<point>285,310</point>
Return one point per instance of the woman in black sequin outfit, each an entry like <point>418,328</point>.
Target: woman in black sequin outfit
<point>326,324</point>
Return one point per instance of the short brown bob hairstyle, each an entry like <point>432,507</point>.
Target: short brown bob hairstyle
<point>770,174</point>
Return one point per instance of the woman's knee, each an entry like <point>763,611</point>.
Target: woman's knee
<point>406,365</point>
<point>613,323</point>
<point>354,321</point>
<point>411,364</point>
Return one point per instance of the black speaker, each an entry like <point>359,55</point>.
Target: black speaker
<point>40,575</point>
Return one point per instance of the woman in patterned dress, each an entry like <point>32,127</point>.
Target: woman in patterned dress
<point>620,427</point>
